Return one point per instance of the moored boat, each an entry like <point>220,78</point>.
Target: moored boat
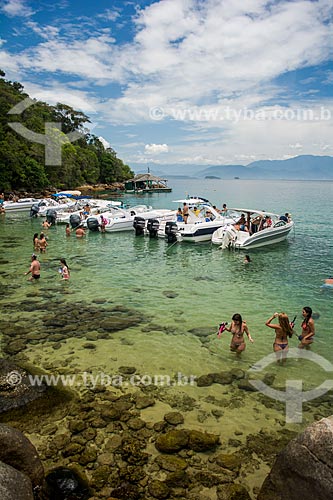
<point>203,219</point>
<point>261,229</point>
<point>22,204</point>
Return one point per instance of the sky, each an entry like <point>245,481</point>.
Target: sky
<point>188,82</point>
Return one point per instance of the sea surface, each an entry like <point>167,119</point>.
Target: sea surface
<point>182,293</point>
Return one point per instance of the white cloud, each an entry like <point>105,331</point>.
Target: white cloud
<point>153,149</point>
<point>13,8</point>
<point>188,56</point>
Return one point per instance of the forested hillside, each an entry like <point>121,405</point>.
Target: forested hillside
<point>22,162</point>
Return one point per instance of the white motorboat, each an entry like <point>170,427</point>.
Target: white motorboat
<point>22,204</point>
<point>118,219</point>
<point>127,223</point>
<point>80,209</point>
<point>261,229</point>
<point>202,221</point>
<point>41,208</point>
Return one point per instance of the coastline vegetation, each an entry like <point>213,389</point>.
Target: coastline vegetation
<point>22,162</point>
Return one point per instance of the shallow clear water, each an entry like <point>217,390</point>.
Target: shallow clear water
<point>207,286</point>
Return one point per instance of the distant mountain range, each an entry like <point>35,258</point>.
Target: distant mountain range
<point>304,167</point>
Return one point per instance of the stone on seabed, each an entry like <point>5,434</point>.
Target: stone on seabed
<point>304,469</point>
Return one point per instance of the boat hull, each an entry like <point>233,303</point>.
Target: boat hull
<point>241,239</point>
<point>20,206</point>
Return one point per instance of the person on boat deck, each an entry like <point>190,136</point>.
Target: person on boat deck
<point>285,217</point>
<point>180,215</point>
<point>185,212</point>
<point>282,331</point>
<point>86,210</point>
<point>242,222</point>
<point>196,211</point>
<point>224,210</point>
<point>267,222</point>
<point>237,328</point>
<point>217,209</point>
<point>308,329</point>
<point>209,216</point>
<point>255,223</point>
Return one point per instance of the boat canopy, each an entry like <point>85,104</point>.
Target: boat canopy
<point>251,212</point>
<point>69,195</point>
<point>192,201</point>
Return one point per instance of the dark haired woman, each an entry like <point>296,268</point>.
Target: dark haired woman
<point>237,328</point>
<point>282,331</point>
<point>35,241</point>
<point>64,269</point>
<point>308,328</point>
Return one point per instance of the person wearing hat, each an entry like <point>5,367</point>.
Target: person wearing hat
<point>34,269</point>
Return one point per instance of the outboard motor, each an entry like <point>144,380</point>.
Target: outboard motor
<point>34,210</point>
<point>51,215</point>
<point>139,225</point>
<point>152,227</point>
<point>171,230</point>
<point>93,224</point>
<point>75,221</point>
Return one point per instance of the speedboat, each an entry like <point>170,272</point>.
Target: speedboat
<point>118,219</point>
<point>22,204</point>
<point>260,229</point>
<point>203,219</point>
<point>79,209</point>
<point>41,208</point>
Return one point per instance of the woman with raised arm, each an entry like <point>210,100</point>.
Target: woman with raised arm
<point>283,331</point>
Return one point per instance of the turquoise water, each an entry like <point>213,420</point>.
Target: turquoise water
<point>183,287</point>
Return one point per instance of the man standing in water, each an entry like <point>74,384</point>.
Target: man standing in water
<point>34,269</point>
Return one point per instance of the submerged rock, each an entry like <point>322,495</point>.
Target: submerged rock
<point>172,441</point>
<point>304,469</point>
<point>14,485</point>
<point>17,451</point>
<point>16,389</point>
<point>66,484</point>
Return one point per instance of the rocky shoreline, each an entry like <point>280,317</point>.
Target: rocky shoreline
<point>95,190</point>
<point>102,437</point>
<point>101,434</point>
<point>98,444</point>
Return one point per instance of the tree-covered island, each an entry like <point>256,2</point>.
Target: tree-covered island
<point>22,161</point>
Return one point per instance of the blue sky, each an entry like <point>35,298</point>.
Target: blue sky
<point>189,82</point>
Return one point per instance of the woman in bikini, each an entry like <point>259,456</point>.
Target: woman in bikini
<point>64,269</point>
<point>35,241</point>
<point>282,331</point>
<point>308,328</point>
<point>237,328</point>
<point>42,243</point>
